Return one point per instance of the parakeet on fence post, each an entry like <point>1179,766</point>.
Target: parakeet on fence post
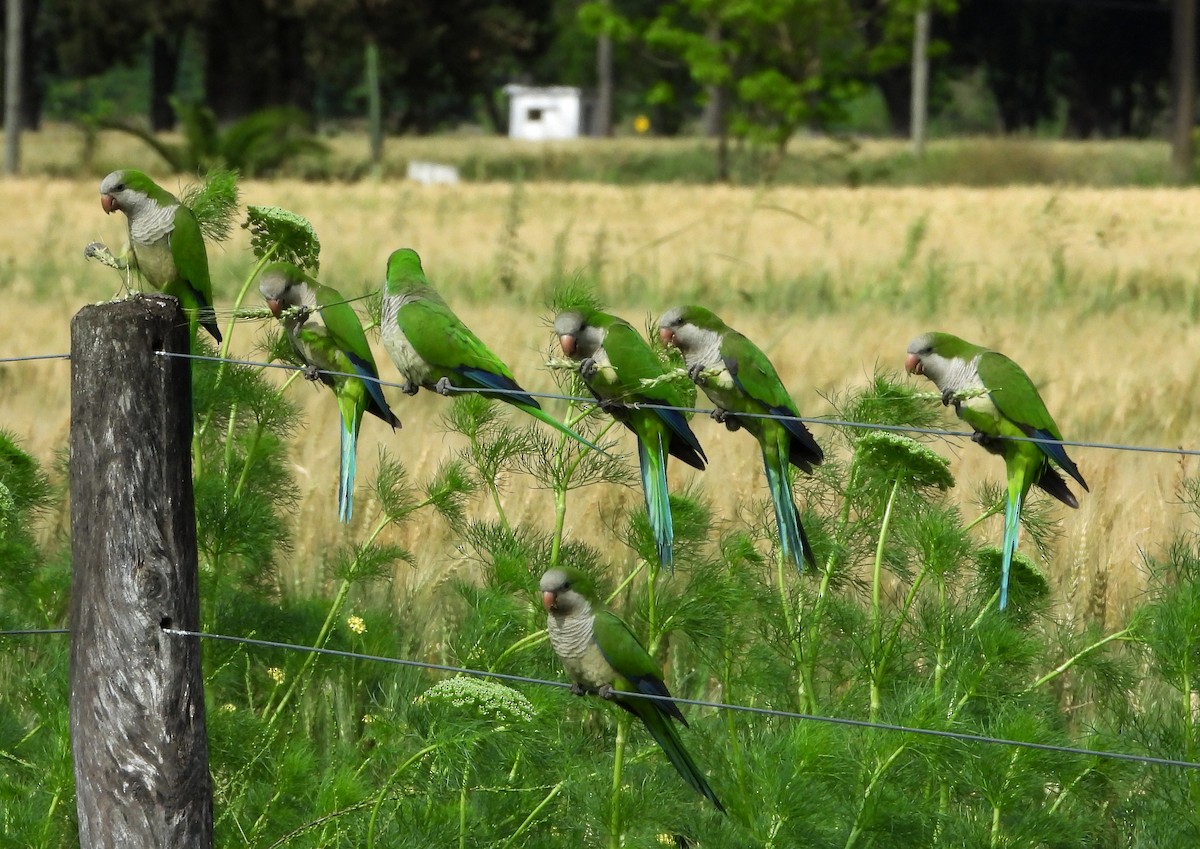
<point>166,246</point>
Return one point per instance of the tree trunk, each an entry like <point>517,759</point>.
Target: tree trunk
<point>920,82</point>
<point>1183,84</point>
<point>13,65</point>
<point>716,111</point>
<point>374,105</point>
<point>602,122</point>
<point>164,71</point>
<point>137,697</point>
<point>713,116</point>
<point>713,119</point>
<point>33,52</point>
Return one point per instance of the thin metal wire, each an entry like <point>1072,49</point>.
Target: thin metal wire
<point>285,366</point>
<point>830,422</point>
<point>35,357</point>
<point>961,736</point>
<point>579,399</point>
<point>782,714</point>
<point>28,632</point>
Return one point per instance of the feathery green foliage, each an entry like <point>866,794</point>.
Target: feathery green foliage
<point>214,202</point>
<point>281,234</point>
<point>898,625</point>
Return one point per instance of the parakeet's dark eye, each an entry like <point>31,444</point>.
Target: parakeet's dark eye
<point>120,187</point>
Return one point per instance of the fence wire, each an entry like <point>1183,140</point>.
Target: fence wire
<point>770,712</point>
<point>961,736</point>
<point>830,422</point>
<point>639,405</point>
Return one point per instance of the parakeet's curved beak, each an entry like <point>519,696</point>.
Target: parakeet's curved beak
<point>275,305</point>
<point>548,600</point>
<point>666,335</point>
<point>913,365</point>
<point>109,204</point>
<point>567,343</point>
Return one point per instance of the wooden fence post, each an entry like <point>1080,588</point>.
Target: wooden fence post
<point>138,732</point>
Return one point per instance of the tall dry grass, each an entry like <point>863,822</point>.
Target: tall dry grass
<point>1093,291</point>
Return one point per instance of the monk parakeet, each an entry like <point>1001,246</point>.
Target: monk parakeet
<point>613,360</point>
<point>328,337</point>
<point>1008,404</point>
<point>740,380</point>
<point>433,348</point>
<point>601,655</point>
<point>166,245</point>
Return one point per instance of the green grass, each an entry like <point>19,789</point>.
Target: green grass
<point>66,151</point>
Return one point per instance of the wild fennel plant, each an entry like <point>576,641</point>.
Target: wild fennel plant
<point>899,624</point>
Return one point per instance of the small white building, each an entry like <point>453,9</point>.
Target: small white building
<point>542,113</point>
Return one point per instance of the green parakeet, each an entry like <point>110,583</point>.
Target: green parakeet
<point>740,379</point>
<point>613,360</point>
<point>328,337</point>
<point>432,348</point>
<point>601,655</point>
<point>166,245</point>
<point>1008,404</point>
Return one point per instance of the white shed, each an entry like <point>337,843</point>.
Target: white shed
<point>541,113</point>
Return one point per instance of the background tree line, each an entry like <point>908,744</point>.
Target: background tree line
<point>1095,68</point>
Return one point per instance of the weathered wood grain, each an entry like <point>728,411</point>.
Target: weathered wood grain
<point>137,698</point>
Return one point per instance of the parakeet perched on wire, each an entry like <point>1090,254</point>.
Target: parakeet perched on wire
<point>601,655</point>
<point>1000,401</point>
<point>739,379</point>
<point>327,335</point>
<point>432,347</point>
<point>614,359</point>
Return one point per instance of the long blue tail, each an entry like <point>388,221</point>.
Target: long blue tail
<point>1012,525</point>
<point>346,474</point>
<point>653,461</point>
<point>791,532</point>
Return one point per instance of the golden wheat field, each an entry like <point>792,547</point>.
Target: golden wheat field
<point>1094,292</point>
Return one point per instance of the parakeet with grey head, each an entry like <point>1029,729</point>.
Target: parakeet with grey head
<point>739,379</point>
<point>998,399</point>
<point>328,337</point>
<point>166,244</point>
<point>614,359</point>
<point>602,656</point>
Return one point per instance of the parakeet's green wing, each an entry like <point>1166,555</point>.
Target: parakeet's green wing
<point>635,361</point>
<point>1014,394</point>
<point>440,338</point>
<point>343,324</point>
<point>187,249</point>
<point>1018,400</point>
<point>755,373</point>
<point>622,648</point>
<point>630,355</point>
<point>626,654</point>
